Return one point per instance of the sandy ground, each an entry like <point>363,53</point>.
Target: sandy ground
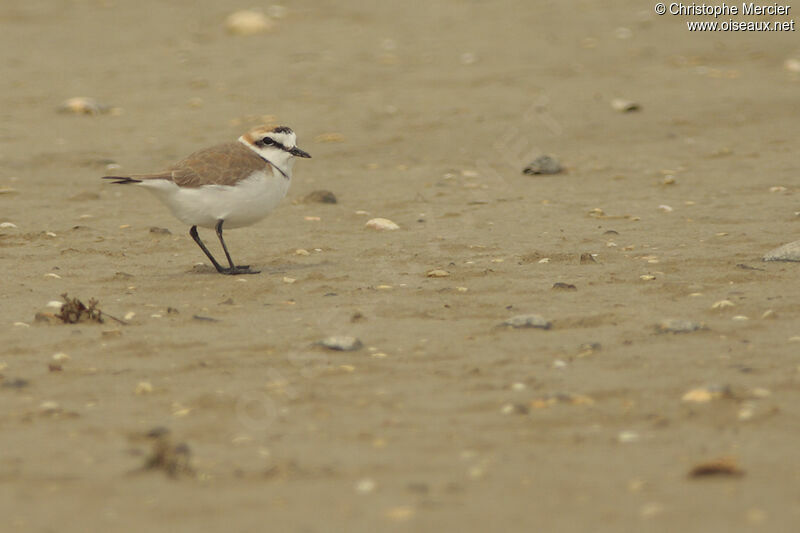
<point>424,114</point>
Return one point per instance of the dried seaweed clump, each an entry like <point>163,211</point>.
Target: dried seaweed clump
<point>75,311</point>
<point>172,459</point>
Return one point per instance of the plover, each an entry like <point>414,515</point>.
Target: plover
<point>234,184</point>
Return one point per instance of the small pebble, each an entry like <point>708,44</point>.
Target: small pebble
<point>288,280</point>
<point>677,325</point>
<point>528,321</point>
<point>627,437</point>
<point>588,348</point>
<point>724,466</point>
<point>14,383</point>
<point>665,208</point>
<point>381,224</point>
<point>561,398</point>
<point>8,225</point>
<point>787,252</point>
<point>342,343</point>
<point>320,197</point>
<point>437,273</point>
<point>792,64</point>
<point>542,165</point>
<point>60,357</point>
<point>514,409</point>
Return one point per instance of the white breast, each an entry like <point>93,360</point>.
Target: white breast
<point>243,204</point>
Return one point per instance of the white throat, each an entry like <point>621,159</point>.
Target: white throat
<point>280,159</point>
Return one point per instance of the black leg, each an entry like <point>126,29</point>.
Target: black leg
<point>196,237</point>
<point>241,269</point>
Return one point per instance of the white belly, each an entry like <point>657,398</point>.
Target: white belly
<point>244,204</point>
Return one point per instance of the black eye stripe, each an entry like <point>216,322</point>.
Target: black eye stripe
<point>269,141</point>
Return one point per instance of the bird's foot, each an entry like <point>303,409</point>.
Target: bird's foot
<point>236,270</point>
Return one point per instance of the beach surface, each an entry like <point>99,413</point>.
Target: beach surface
<point>215,407</point>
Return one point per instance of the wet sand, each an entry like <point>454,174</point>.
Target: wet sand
<point>444,420</point>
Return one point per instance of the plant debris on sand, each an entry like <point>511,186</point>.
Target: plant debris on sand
<point>74,311</point>
<point>173,459</point>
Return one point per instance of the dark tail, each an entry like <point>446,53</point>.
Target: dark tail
<point>121,179</point>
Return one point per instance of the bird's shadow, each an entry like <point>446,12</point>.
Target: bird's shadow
<point>281,268</point>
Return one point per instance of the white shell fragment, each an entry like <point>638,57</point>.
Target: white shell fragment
<point>6,225</point>
<point>678,325</point>
<point>722,304</point>
<point>341,343</point>
<point>49,407</point>
<point>142,388</point>
<point>248,22</point>
<point>624,106</point>
<point>787,252</point>
<point>528,321</point>
<point>365,486</point>
<point>792,64</point>
<point>706,393</point>
<point>437,273</point>
<point>83,105</point>
<point>381,224</point>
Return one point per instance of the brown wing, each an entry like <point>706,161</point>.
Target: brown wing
<point>225,164</point>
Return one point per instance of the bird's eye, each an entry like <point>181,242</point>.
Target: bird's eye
<point>267,141</point>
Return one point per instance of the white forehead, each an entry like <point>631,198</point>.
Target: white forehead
<point>286,139</point>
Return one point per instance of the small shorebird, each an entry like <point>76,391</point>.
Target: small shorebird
<point>235,184</point>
